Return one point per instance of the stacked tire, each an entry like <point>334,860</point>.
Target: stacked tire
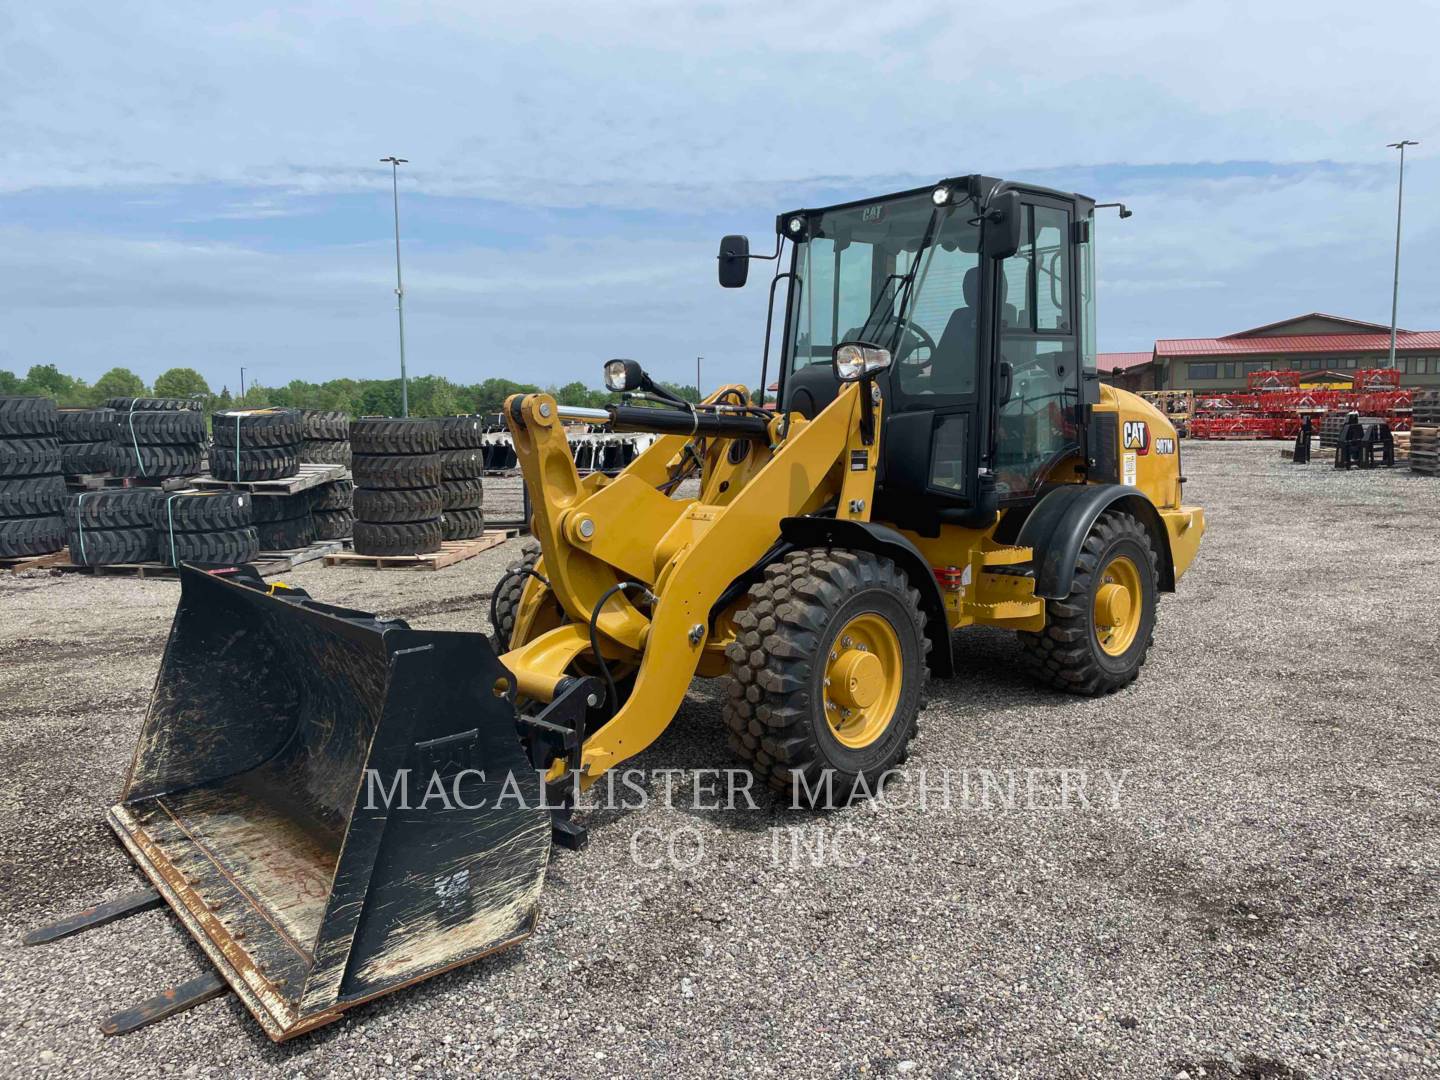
<point>256,444</point>
<point>284,522</point>
<point>205,528</point>
<point>87,441</point>
<point>398,503</point>
<point>462,462</point>
<point>333,510</point>
<point>326,438</point>
<point>117,525</point>
<point>32,491</point>
<point>158,438</point>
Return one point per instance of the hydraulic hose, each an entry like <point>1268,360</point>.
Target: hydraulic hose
<point>514,571</point>
<point>612,699</point>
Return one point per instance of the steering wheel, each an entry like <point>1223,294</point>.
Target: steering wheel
<point>912,338</point>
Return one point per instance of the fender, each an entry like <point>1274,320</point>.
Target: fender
<point>807,532</point>
<point>1056,528</point>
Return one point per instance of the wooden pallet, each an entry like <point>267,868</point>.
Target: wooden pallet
<point>109,481</point>
<point>18,563</point>
<point>308,477</point>
<point>263,566</point>
<point>451,552</point>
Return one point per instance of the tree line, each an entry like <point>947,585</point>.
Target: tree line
<point>430,395</point>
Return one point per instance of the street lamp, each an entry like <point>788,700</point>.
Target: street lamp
<point>395,163</point>
<point>1399,205</point>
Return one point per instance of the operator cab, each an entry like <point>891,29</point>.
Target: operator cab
<point>982,291</point>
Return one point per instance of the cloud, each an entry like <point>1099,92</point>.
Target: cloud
<point>200,184</point>
<point>657,104</point>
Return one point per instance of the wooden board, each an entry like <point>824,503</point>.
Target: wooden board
<point>294,558</point>
<point>308,477</point>
<point>265,567</point>
<point>35,562</point>
<point>451,552</point>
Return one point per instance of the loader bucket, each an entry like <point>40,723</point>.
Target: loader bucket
<point>335,806</point>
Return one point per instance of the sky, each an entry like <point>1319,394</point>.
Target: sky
<point>198,184</point>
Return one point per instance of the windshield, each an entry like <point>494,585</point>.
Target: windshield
<point>901,274</point>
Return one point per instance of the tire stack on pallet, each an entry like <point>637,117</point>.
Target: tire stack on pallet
<point>326,438</point>
<point>397,469</point>
<point>1425,433</point>
<point>158,438</point>
<point>209,528</point>
<point>112,526</point>
<point>284,522</point>
<point>87,442</point>
<point>462,492</point>
<point>32,491</point>
<point>333,509</point>
<point>255,444</point>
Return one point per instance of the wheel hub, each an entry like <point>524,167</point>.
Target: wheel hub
<point>858,680</point>
<point>1119,599</point>
<point>863,673</point>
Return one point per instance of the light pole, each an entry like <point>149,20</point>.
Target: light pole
<point>1399,205</point>
<point>698,392</point>
<point>395,163</point>
<point>242,384</point>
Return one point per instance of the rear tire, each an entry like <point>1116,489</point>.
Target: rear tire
<point>507,600</point>
<point>829,674</point>
<point>1089,646</point>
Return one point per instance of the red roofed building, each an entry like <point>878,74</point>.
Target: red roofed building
<point>1315,342</point>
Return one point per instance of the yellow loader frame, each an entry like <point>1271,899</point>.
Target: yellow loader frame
<point>650,569</point>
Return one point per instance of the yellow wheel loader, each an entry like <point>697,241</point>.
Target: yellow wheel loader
<point>337,805</point>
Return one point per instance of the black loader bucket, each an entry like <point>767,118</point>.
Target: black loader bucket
<point>335,806</point>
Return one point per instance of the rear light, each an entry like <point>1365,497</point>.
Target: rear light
<point>950,578</point>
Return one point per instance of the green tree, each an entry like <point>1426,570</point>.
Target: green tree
<point>490,395</point>
<point>433,395</point>
<point>684,391</point>
<point>379,397</point>
<point>118,382</point>
<point>9,382</point>
<point>224,400</point>
<point>181,382</point>
<point>49,381</point>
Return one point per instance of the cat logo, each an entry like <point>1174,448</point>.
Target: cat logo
<point>1136,436</point>
<point>1164,446</point>
<point>872,213</point>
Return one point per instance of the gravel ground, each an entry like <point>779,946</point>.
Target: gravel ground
<point>1259,900</point>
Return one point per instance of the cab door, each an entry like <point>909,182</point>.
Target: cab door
<point>1039,325</point>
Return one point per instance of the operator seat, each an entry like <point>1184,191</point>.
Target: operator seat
<point>953,367</point>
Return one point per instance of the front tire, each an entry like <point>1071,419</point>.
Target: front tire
<point>1096,639</point>
<point>828,670</point>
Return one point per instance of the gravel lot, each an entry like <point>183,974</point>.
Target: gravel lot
<point>1259,901</point>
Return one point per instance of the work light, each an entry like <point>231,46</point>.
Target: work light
<point>854,360</point>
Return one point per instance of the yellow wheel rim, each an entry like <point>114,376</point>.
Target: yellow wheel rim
<point>1119,603</point>
<point>863,672</point>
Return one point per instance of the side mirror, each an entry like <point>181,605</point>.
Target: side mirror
<point>1003,219</point>
<point>856,360</point>
<point>734,261</point>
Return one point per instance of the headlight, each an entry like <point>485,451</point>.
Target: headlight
<point>940,196</point>
<point>617,375</point>
<point>796,225</point>
<point>855,360</point>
